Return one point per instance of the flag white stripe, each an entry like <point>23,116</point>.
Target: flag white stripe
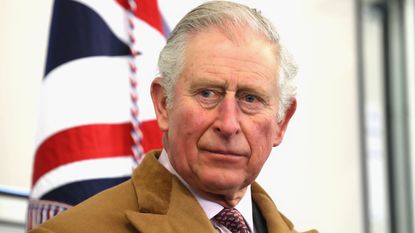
<point>91,91</point>
<point>83,170</point>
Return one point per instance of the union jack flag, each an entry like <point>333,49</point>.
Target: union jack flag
<point>96,115</point>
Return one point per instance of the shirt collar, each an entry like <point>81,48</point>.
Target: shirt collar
<point>212,208</point>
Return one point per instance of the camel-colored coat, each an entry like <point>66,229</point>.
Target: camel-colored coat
<point>153,200</point>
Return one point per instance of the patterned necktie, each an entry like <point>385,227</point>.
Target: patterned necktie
<point>233,220</point>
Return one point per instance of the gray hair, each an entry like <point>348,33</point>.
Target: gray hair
<point>225,16</point>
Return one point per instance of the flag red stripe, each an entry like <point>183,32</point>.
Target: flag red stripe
<point>147,11</point>
<point>91,142</point>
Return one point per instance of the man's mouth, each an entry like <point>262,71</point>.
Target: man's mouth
<point>225,152</point>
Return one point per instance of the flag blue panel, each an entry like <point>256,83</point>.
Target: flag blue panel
<point>76,32</point>
<point>77,192</point>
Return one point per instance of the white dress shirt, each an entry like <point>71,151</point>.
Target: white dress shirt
<point>212,208</point>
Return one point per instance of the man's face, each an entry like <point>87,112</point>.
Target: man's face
<point>222,124</point>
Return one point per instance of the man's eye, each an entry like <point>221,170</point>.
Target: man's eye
<point>208,98</point>
<point>251,98</point>
<point>251,103</point>
<point>207,93</point>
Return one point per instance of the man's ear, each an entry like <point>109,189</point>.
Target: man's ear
<point>282,125</point>
<point>158,95</point>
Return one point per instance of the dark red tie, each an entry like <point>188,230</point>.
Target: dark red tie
<point>233,220</point>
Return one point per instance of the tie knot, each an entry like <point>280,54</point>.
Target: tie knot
<point>232,219</point>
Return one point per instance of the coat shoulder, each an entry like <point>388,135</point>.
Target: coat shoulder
<point>104,212</point>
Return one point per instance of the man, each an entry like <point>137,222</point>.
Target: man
<point>224,99</point>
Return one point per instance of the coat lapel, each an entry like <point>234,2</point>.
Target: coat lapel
<point>165,205</point>
<point>275,221</point>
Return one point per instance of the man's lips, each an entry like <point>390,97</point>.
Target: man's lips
<point>225,152</point>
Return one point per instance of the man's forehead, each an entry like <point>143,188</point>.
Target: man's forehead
<point>242,38</point>
<point>237,33</point>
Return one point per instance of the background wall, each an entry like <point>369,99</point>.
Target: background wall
<point>314,176</point>
<point>24,27</point>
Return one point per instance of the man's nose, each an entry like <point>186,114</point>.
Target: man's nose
<point>227,121</point>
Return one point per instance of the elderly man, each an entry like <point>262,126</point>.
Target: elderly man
<point>224,99</point>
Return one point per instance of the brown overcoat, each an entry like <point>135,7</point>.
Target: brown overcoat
<point>153,200</point>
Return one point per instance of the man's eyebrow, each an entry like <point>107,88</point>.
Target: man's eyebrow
<point>204,82</point>
<point>209,82</point>
<point>258,89</point>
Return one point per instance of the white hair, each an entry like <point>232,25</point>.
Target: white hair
<point>227,17</point>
